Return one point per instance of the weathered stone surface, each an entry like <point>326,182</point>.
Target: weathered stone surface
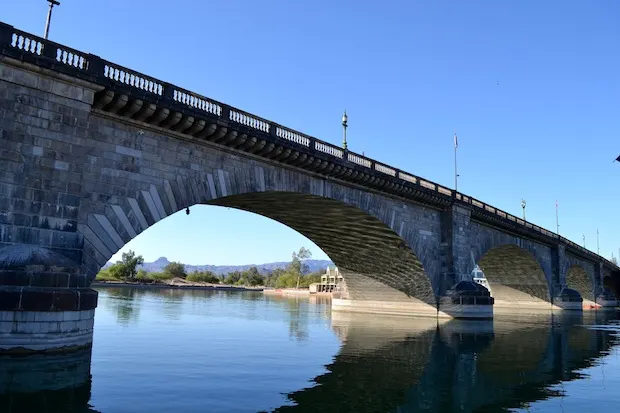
<point>82,183</point>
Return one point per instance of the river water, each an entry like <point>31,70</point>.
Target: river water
<point>204,351</point>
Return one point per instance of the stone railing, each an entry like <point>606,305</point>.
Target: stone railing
<point>36,50</point>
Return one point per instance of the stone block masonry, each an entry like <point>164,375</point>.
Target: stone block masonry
<point>86,166</point>
<point>46,304</point>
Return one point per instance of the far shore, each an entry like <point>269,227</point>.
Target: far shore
<point>188,286</point>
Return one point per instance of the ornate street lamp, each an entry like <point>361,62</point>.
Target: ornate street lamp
<point>523,203</point>
<point>344,130</point>
<point>49,16</point>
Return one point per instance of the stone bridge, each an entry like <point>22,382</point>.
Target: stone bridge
<point>93,153</point>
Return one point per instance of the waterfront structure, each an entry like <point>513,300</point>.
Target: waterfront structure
<point>329,281</point>
<point>94,153</point>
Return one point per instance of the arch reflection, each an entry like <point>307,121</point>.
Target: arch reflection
<point>404,365</point>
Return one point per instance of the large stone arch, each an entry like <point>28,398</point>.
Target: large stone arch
<point>384,247</point>
<point>519,271</point>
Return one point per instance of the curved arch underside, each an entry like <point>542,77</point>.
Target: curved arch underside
<point>514,275</point>
<point>578,279</point>
<point>376,263</point>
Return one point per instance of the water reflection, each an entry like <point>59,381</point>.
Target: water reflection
<point>123,302</point>
<point>398,365</point>
<point>384,364</point>
<point>46,383</point>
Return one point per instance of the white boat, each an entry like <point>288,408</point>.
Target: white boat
<point>478,277</point>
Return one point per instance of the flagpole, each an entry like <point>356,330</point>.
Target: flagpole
<point>557,222</point>
<point>456,175</point>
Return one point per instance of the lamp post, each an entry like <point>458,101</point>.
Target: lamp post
<point>49,16</point>
<point>557,222</point>
<point>523,204</point>
<point>584,240</point>
<point>456,173</point>
<point>344,130</point>
<point>598,250</point>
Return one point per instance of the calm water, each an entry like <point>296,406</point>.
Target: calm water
<point>200,351</point>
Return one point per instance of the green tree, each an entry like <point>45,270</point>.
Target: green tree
<point>232,278</point>
<point>203,276</point>
<point>311,278</point>
<point>297,267</point>
<point>286,280</point>
<point>272,277</point>
<point>252,277</point>
<point>127,267</point>
<point>175,269</point>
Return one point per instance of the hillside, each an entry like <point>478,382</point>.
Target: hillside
<point>160,263</point>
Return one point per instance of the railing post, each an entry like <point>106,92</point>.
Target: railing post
<point>49,50</point>
<point>168,92</point>
<point>96,66</point>
<point>225,113</point>
<point>6,35</point>
<point>273,130</point>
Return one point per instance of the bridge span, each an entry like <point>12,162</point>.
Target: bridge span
<point>94,153</point>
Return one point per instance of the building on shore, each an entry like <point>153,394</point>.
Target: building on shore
<point>329,281</point>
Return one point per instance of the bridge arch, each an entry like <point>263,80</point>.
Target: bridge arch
<point>580,277</point>
<point>515,275</point>
<point>372,257</point>
<point>519,270</point>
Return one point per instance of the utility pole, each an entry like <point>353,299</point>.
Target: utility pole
<point>456,174</point>
<point>557,222</point>
<point>523,204</point>
<point>344,130</point>
<point>49,16</point>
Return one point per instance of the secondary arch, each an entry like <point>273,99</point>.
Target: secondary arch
<point>515,276</point>
<point>578,279</point>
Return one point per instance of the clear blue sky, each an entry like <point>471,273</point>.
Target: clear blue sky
<point>531,87</point>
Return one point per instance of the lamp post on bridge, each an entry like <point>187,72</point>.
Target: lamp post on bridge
<point>598,250</point>
<point>523,204</point>
<point>557,222</point>
<point>584,240</point>
<point>49,16</point>
<point>456,173</point>
<point>344,130</point>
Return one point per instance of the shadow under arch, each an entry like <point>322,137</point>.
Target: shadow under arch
<point>374,260</point>
<point>578,279</point>
<point>362,247</point>
<point>514,275</point>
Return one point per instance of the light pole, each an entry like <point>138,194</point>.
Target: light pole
<point>456,174</point>
<point>344,130</point>
<point>49,16</point>
<point>557,222</point>
<point>523,204</point>
<point>584,240</point>
<point>598,250</point>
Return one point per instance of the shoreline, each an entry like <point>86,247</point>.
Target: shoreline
<point>104,284</point>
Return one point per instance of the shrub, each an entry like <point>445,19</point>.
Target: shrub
<point>203,277</point>
<point>175,269</point>
<point>104,275</point>
<point>160,276</point>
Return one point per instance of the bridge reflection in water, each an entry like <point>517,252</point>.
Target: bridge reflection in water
<point>384,365</point>
<point>394,365</point>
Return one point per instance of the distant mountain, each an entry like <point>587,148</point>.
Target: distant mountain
<point>160,263</point>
